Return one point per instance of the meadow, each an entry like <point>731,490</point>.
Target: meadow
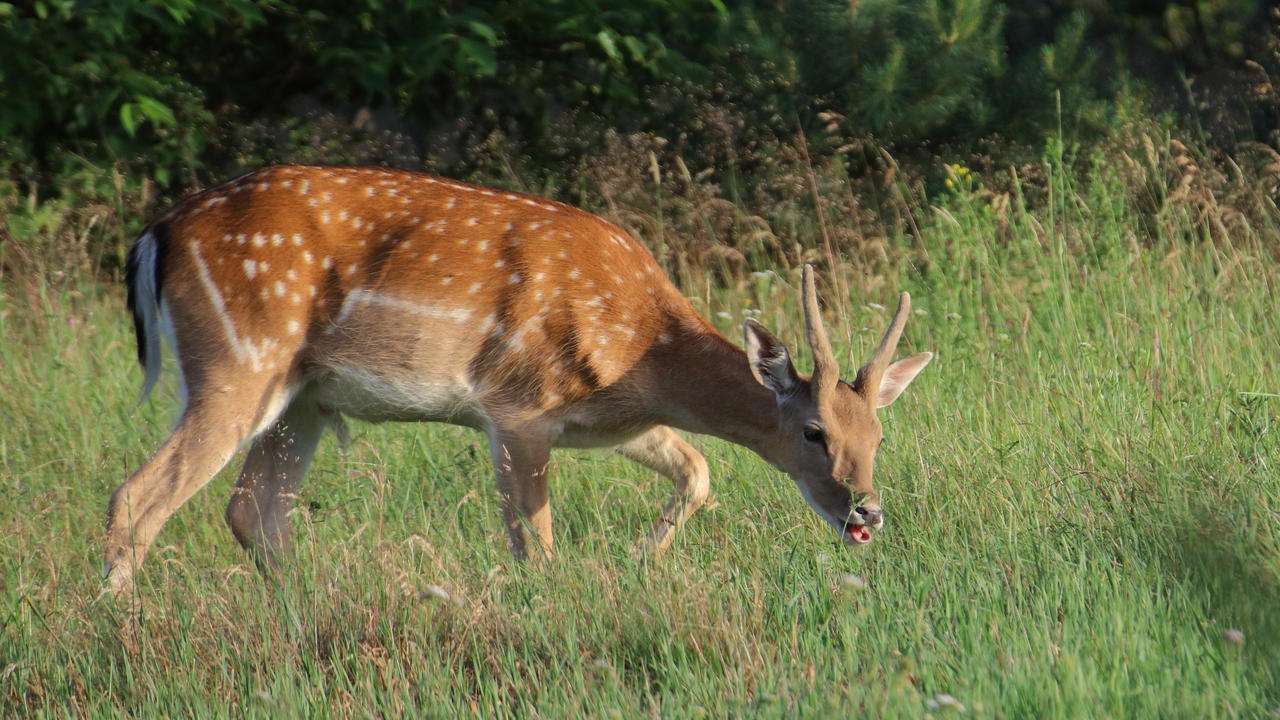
<point>1081,493</point>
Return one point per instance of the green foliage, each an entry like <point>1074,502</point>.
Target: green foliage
<point>167,88</point>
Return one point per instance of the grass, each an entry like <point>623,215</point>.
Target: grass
<point>1081,492</point>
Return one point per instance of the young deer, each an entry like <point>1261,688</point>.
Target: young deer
<point>293,296</point>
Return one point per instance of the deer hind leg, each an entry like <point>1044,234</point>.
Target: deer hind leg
<point>213,425</point>
<point>520,464</point>
<point>258,512</point>
<point>665,452</point>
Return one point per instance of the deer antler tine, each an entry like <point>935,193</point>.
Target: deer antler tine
<point>826,371</point>
<point>869,376</point>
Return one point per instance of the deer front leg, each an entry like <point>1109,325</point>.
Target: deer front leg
<point>665,452</point>
<point>520,464</point>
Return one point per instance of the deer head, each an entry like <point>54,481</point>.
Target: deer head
<point>827,432</point>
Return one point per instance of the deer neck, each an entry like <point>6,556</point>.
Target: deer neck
<point>708,389</point>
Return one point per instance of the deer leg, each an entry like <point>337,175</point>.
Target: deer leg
<point>212,427</point>
<point>273,469</point>
<point>665,452</point>
<point>520,463</point>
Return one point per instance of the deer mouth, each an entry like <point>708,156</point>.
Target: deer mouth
<point>857,534</point>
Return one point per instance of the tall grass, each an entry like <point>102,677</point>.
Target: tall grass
<point>1081,492</point>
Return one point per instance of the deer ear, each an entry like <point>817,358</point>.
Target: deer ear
<point>899,375</point>
<point>770,362</point>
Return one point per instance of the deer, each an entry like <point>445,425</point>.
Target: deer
<point>294,297</point>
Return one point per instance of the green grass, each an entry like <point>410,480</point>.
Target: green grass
<point>1081,495</point>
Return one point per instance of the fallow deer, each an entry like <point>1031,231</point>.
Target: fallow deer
<point>294,296</point>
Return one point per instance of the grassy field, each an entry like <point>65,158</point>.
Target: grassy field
<point>1081,493</point>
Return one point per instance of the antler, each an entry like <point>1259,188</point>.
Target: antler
<point>870,375</point>
<point>826,371</point>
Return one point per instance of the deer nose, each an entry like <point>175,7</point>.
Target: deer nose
<point>870,516</point>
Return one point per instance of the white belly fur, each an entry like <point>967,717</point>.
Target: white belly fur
<point>363,394</point>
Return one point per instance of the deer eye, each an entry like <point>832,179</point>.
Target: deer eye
<point>813,433</point>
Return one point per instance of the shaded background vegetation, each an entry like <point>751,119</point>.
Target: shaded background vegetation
<point>113,106</point>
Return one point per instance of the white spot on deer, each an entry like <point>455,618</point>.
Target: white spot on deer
<point>326,262</point>
<point>446,279</point>
<point>311,290</point>
<point>433,257</point>
<point>305,187</point>
<point>416,220</point>
<point>263,266</point>
<point>343,180</point>
<point>472,222</point>
<point>508,227</point>
<point>280,288</point>
<point>450,203</point>
<point>263,187</point>
<point>297,239</point>
<point>326,196</point>
<point>475,288</point>
<point>515,278</point>
<point>388,214</point>
<point>539,276</point>
<point>216,200</point>
<point>324,217</point>
<point>556,291</point>
<point>296,298</point>
<point>602,339</point>
<point>617,278</point>
<point>370,191</point>
<point>292,326</point>
<point>312,202</point>
<point>482,246</point>
<point>242,238</point>
<point>227,237</point>
<point>664,338</point>
<point>357,223</point>
<point>259,239</point>
<point>574,274</point>
<point>291,274</point>
<point>351,269</point>
<point>343,215</point>
<point>306,255</point>
<point>563,255</point>
<point>277,239</point>
<point>488,193</point>
<point>250,268</point>
<point>500,263</point>
<point>287,183</point>
<point>266,295</point>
